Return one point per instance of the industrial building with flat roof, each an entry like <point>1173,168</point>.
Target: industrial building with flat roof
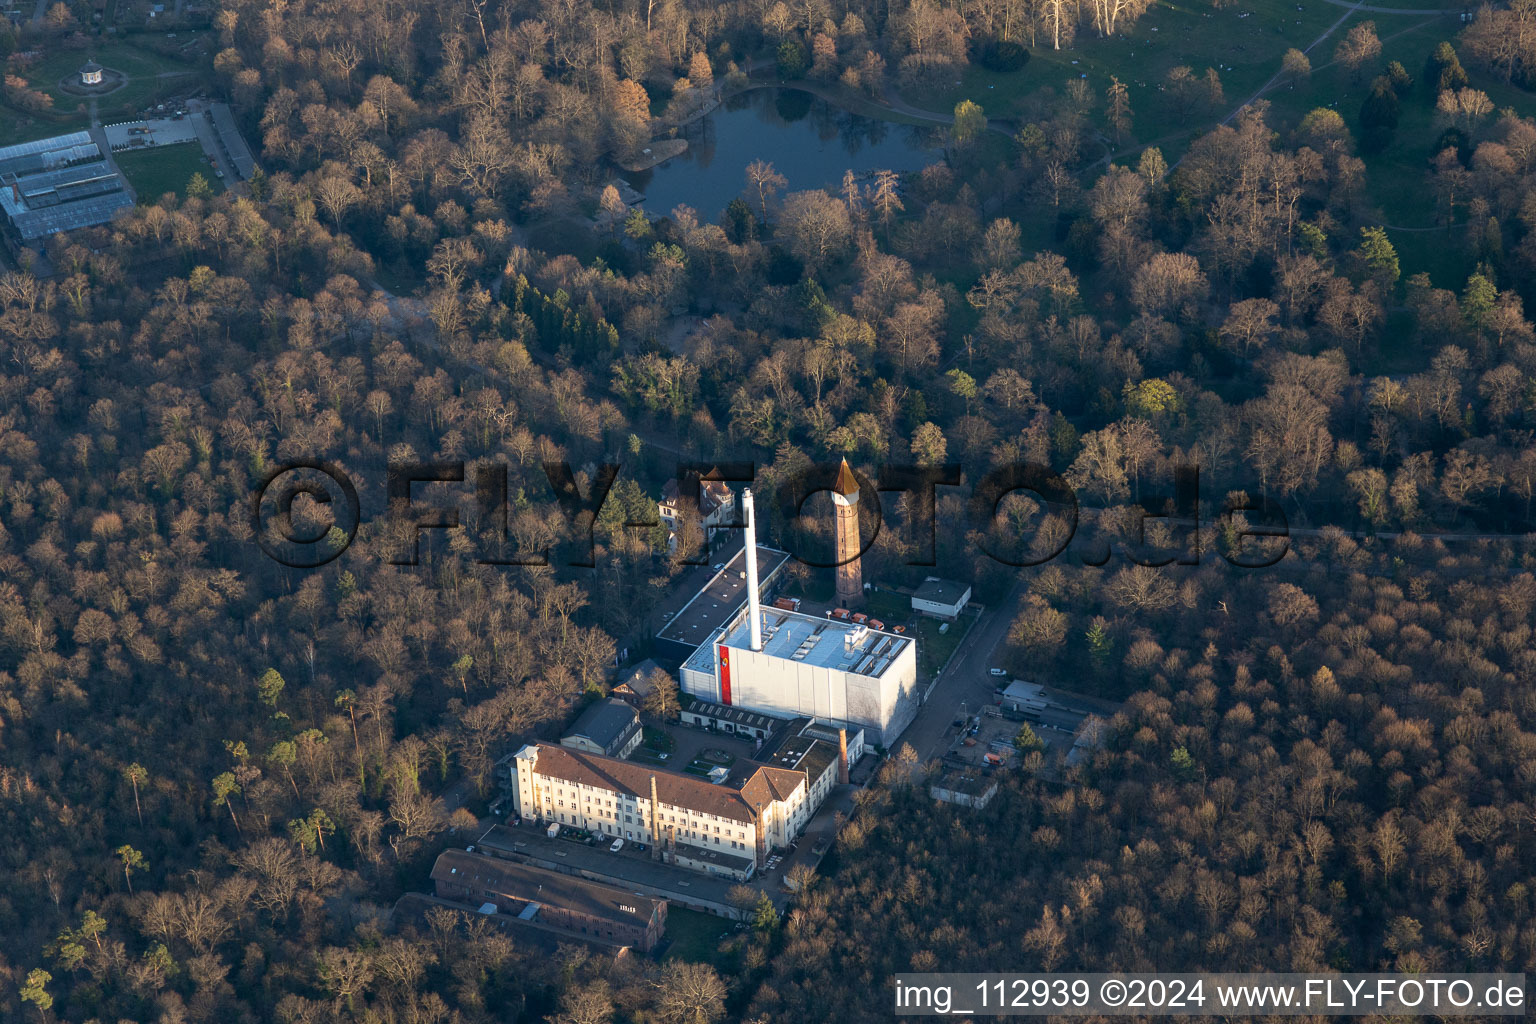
<point>774,661</point>
<point>234,143</point>
<point>736,721</point>
<point>548,900</point>
<point>837,672</point>
<point>721,594</point>
<point>57,184</point>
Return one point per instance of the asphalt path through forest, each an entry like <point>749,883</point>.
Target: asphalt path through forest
<point>1409,11</point>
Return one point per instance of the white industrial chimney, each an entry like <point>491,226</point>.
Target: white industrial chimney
<point>754,613</point>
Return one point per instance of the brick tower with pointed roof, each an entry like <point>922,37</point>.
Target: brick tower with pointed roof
<point>850,577</point>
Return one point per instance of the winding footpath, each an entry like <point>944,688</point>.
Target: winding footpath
<point>1408,11</point>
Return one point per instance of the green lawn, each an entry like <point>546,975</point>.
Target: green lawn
<point>154,172</point>
<point>1245,51</point>
<point>143,68</point>
<point>16,126</point>
<point>696,936</point>
<point>933,647</point>
<point>892,609</point>
<point>1397,187</point>
<point>657,739</point>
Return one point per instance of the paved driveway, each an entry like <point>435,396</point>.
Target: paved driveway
<point>965,680</point>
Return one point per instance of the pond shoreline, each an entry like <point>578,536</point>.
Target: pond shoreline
<point>811,135</point>
<point>658,152</point>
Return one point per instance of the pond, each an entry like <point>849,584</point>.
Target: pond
<point>808,140</point>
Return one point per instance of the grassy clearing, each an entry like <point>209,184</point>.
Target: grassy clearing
<point>1398,192</point>
<point>1245,43</point>
<point>657,740</point>
<point>154,172</point>
<point>1245,51</point>
<point>143,68</point>
<point>62,64</point>
<point>889,608</point>
<point>696,936</point>
<point>16,126</point>
<point>933,647</point>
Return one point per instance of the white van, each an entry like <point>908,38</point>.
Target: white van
<point>618,844</point>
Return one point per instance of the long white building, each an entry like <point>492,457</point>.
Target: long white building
<point>843,674</point>
<point>724,828</point>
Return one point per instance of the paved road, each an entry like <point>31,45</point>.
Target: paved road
<point>99,136</point>
<point>1396,10</point>
<point>965,679</point>
<point>208,138</point>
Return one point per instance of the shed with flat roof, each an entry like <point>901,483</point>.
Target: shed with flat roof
<point>944,599</point>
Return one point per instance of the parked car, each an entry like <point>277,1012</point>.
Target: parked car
<point>998,671</point>
<point>618,844</point>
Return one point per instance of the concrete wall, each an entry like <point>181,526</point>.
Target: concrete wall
<point>643,935</point>
<point>941,611</point>
<point>882,707</point>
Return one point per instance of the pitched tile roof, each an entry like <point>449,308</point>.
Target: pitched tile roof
<point>675,788</point>
<point>765,784</point>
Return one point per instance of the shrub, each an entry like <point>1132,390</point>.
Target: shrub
<point>1003,55</point>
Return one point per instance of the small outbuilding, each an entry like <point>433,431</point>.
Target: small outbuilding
<point>609,727</point>
<point>90,73</point>
<point>943,599</point>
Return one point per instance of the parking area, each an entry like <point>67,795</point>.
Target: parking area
<point>159,131</point>
<point>700,749</point>
<point>982,733</point>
